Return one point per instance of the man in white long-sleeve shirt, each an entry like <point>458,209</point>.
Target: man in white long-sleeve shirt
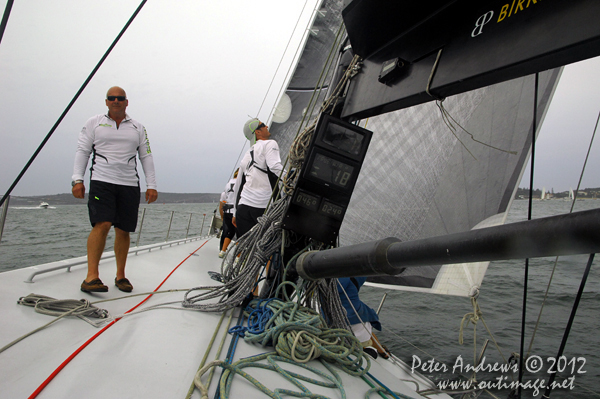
<point>114,140</point>
<point>253,187</point>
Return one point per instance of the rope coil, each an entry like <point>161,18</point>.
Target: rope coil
<point>332,380</point>
<point>59,307</point>
<point>299,334</point>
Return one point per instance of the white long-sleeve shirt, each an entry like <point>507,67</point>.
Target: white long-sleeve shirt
<point>229,193</point>
<point>227,196</point>
<point>256,191</point>
<point>114,152</point>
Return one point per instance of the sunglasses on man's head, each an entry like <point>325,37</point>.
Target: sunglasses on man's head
<point>260,126</point>
<point>113,98</point>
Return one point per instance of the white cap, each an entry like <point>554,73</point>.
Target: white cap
<point>250,128</point>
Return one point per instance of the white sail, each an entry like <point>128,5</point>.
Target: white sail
<point>420,179</point>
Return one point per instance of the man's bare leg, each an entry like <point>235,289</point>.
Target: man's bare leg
<point>122,241</point>
<point>226,242</point>
<point>95,247</point>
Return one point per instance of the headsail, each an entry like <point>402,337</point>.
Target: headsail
<point>421,179</point>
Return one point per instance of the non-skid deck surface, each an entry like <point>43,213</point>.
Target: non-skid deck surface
<point>153,354</point>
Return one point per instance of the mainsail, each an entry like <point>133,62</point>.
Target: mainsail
<point>423,177</point>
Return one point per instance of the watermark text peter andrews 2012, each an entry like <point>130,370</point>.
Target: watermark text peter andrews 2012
<point>533,365</point>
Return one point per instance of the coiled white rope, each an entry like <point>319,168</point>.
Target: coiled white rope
<point>82,309</point>
<point>58,307</point>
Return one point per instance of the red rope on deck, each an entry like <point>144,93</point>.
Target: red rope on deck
<point>63,364</point>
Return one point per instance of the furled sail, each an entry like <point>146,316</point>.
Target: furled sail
<point>424,177</point>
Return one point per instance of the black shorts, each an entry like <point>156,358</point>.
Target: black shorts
<point>229,232</point>
<point>114,203</point>
<point>246,217</point>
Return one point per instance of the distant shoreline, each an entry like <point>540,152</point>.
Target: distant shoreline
<point>68,199</point>
<point>523,193</point>
<point>207,198</point>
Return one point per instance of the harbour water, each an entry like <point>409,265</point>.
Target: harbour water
<point>415,325</point>
<point>34,235</point>
<point>432,322</point>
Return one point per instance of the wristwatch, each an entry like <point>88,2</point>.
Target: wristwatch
<point>74,182</point>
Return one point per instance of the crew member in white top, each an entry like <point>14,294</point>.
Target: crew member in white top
<point>115,140</point>
<point>252,187</point>
<point>226,209</point>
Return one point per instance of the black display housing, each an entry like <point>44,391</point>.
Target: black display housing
<point>327,179</point>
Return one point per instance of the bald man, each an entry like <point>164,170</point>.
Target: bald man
<point>114,140</point>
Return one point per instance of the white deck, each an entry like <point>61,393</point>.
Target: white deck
<point>151,354</point>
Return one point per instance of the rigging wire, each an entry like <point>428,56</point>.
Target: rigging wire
<point>5,17</point>
<point>289,71</point>
<point>570,211</point>
<point>326,71</point>
<point>563,342</point>
<point>526,275</point>
<point>281,59</point>
<point>68,108</point>
<point>584,278</point>
<point>450,121</point>
<point>306,133</point>
<point>237,162</point>
<point>313,99</point>
<point>585,162</point>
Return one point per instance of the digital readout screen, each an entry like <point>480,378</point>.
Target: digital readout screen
<point>343,138</point>
<point>332,210</point>
<point>306,200</point>
<point>331,170</point>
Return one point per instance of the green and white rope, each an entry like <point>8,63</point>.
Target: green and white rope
<point>332,380</point>
<point>301,334</point>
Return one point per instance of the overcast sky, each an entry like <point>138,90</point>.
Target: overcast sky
<point>567,131</point>
<point>194,72</point>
